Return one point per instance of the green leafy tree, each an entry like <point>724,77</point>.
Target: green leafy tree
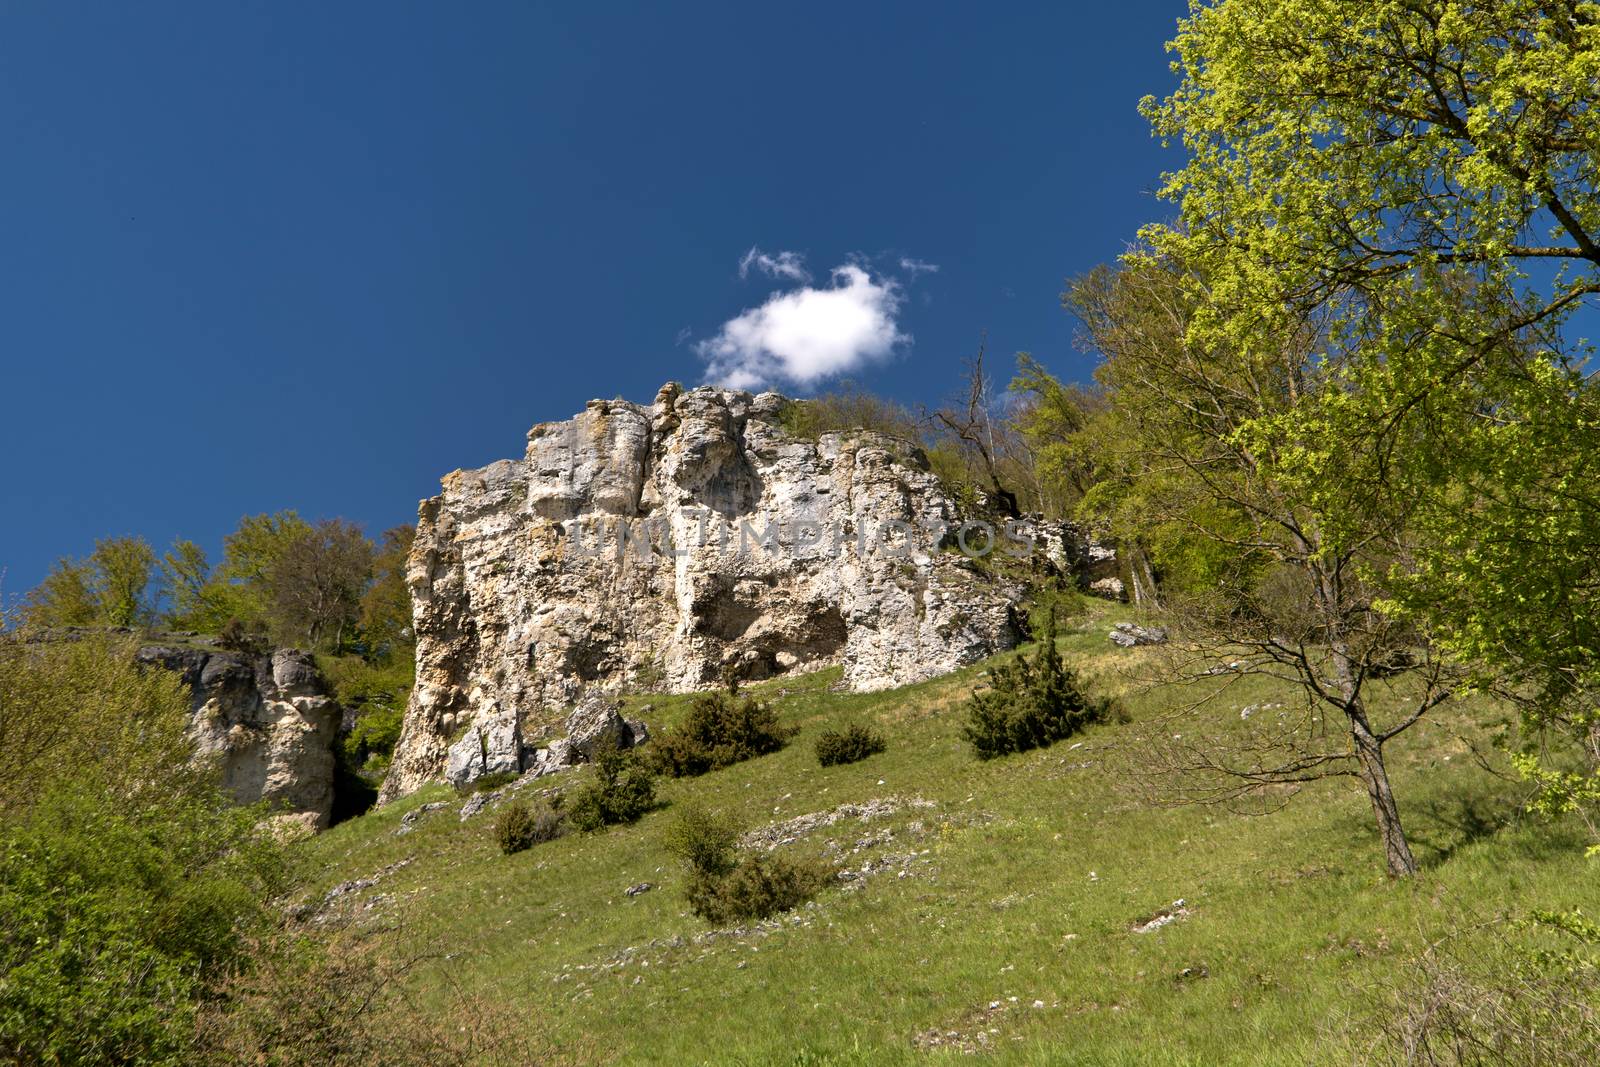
<point>65,598</point>
<point>386,605</point>
<point>129,884</point>
<point>1416,179</point>
<point>115,586</point>
<point>124,568</point>
<point>196,598</point>
<point>1225,472</point>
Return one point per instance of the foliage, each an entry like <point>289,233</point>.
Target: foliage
<point>1059,422</point>
<point>726,885</point>
<point>184,572</point>
<point>386,604</point>
<point>1411,187</point>
<point>848,409</point>
<point>311,1000</point>
<point>85,709</point>
<point>375,690</point>
<point>519,826</point>
<point>1029,704</point>
<point>623,789</point>
<point>1530,1001</point>
<point>850,745</point>
<point>1054,599</point>
<point>113,587</point>
<point>720,730</point>
<point>317,583</point>
<point>128,882</point>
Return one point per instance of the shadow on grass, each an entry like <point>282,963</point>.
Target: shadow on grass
<point>1441,827</point>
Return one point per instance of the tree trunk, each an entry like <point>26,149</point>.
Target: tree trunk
<point>1375,776</point>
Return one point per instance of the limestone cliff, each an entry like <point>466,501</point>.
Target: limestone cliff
<point>657,544</point>
<point>265,721</point>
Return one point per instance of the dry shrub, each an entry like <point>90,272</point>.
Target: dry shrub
<point>347,1005</point>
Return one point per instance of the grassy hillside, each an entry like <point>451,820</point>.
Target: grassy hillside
<point>999,907</point>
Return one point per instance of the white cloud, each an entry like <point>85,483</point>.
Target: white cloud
<point>790,265</point>
<point>803,335</point>
<point>917,266</point>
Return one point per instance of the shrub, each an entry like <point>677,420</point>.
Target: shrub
<point>722,729</point>
<point>764,884</point>
<point>520,826</point>
<point>129,884</point>
<point>1030,704</point>
<point>855,742</point>
<point>1511,993</point>
<point>1065,601</point>
<point>727,886</point>
<point>623,789</point>
<point>118,920</point>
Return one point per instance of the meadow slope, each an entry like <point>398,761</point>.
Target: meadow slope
<point>1000,904</point>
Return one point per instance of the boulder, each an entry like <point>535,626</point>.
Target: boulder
<point>492,746</point>
<point>594,722</point>
<point>1128,635</point>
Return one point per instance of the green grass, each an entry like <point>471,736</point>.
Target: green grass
<point>1029,873</point>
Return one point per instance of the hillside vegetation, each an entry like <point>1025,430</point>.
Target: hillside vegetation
<point>1046,907</point>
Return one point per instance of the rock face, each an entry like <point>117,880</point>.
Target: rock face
<point>660,544</point>
<point>266,720</point>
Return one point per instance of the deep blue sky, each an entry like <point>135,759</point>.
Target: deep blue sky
<point>314,256</point>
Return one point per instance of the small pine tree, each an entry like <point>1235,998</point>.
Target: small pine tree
<point>1030,704</point>
<point>721,729</point>
<point>622,790</point>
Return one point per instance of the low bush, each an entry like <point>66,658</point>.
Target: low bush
<point>1030,704</point>
<point>623,789</point>
<point>520,825</point>
<point>728,885</point>
<point>1519,993</point>
<point>850,745</point>
<point>721,729</point>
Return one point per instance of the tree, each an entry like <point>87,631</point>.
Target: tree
<point>970,422</point>
<point>1289,530</point>
<point>317,581</point>
<point>386,605</point>
<point>65,597</point>
<point>1418,177</point>
<point>113,587</point>
<point>123,569</point>
<point>1057,421</point>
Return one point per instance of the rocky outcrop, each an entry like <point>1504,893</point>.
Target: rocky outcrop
<point>1129,635</point>
<point>265,721</point>
<point>660,545</point>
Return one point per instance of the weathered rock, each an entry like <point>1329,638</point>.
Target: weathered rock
<point>1128,635</point>
<point>493,746</point>
<point>409,820</point>
<point>1109,588</point>
<point>595,722</point>
<point>657,544</point>
<point>266,721</point>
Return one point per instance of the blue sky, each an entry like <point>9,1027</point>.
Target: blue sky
<point>287,255</point>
